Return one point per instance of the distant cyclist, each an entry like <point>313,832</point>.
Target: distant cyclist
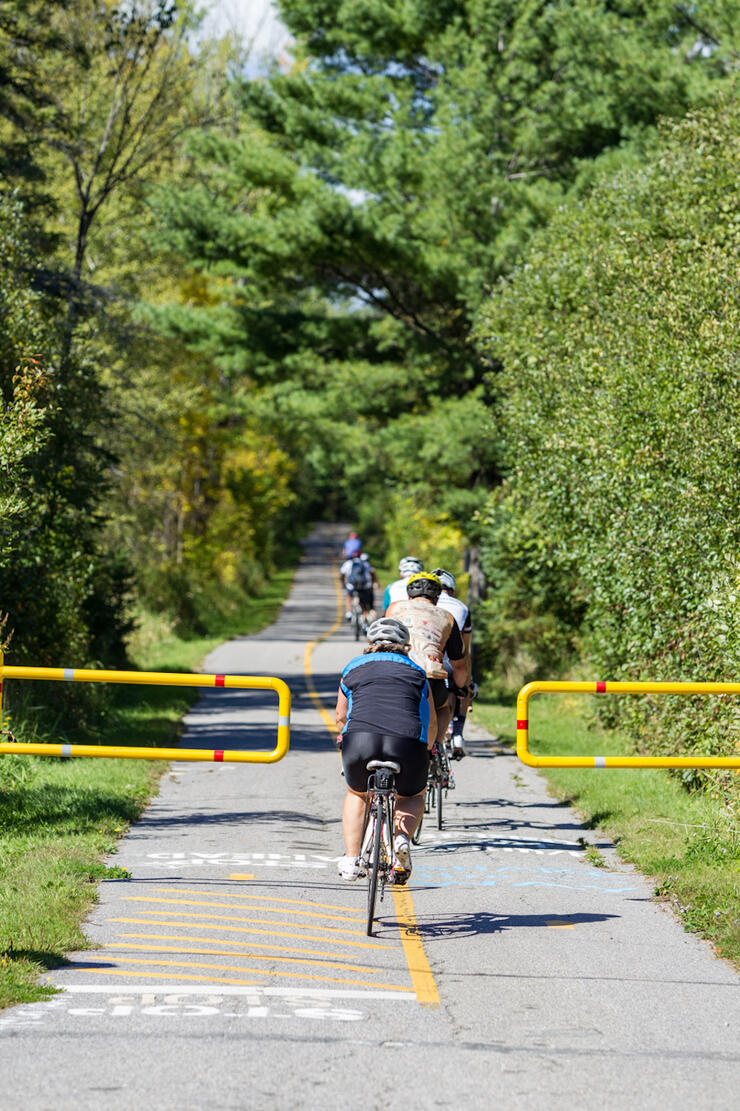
<point>358,576</point>
<point>433,631</point>
<point>384,712</point>
<point>460,702</point>
<point>396,592</point>
<point>352,545</point>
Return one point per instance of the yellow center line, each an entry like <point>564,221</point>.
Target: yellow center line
<point>130,947</point>
<point>227,906</point>
<point>254,921</point>
<point>262,898</point>
<point>246,930</point>
<point>326,717</point>
<point>422,976</point>
<point>252,971</point>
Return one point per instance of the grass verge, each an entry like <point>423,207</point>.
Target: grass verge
<point>59,818</point>
<point>688,843</point>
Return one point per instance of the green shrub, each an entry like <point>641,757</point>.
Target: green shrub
<point>620,340</point>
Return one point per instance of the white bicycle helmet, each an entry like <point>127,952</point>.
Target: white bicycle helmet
<point>448,580</point>
<point>389,630</point>
<point>410,565</point>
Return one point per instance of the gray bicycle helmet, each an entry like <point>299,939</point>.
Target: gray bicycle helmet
<point>410,565</point>
<point>448,580</point>
<point>388,630</point>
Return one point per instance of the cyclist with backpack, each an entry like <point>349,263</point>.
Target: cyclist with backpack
<point>358,576</point>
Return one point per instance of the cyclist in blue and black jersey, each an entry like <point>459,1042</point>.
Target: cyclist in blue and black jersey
<point>385,711</point>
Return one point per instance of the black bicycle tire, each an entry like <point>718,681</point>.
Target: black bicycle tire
<point>439,806</point>
<point>372,875</point>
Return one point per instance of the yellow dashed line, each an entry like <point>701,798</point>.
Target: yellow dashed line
<point>251,956</point>
<point>263,898</point>
<point>166,976</point>
<point>240,876</point>
<point>255,972</point>
<point>226,906</point>
<point>254,921</point>
<point>228,941</point>
<point>246,930</point>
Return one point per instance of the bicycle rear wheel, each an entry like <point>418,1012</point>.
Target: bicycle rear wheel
<point>373,871</point>
<point>439,805</point>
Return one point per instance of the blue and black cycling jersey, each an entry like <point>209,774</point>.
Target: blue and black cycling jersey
<point>386,693</point>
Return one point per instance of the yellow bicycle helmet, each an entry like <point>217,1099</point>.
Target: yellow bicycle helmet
<point>424,585</point>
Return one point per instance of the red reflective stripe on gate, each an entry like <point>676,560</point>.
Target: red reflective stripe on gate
<point>522,724</point>
<point>219,680</point>
<point>600,688</point>
<point>218,754</point>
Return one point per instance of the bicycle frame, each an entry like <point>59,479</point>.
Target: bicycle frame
<point>376,853</point>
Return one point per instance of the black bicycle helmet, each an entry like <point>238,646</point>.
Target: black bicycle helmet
<point>424,585</point>
<point>388,631</point>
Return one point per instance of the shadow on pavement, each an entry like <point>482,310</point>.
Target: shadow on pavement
<point>468,925</point>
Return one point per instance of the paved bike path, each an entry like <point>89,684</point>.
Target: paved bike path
<point>233,970</point>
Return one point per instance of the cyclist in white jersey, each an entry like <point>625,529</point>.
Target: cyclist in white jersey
<point>396,592</point>
<point>461,614</point>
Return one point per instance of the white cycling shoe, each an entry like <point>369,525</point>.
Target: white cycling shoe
<point>458,749</point>
<point>402,861</point>
<point>349,868</point>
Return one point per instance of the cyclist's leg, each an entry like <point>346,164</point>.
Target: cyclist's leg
<point>409,810</point>
<point>357,749</point>
<point>353,811</point>
<point>459,713</point>
<point>366,601</point>
<point>440,694</point>
<point>411,781</point>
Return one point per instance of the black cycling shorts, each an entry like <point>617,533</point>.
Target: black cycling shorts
<point>358,748</point>
<point>440,693</point>
<point>365,596</point>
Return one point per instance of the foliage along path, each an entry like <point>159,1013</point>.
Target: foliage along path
<point>233,969</point>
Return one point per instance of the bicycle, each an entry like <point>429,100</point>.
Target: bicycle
<point>376,855</point>
<point>359,618</point>
<point>439,779</point>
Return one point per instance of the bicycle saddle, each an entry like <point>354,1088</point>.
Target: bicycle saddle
<point>372,765</point>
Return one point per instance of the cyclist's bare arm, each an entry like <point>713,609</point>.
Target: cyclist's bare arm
<point>432,734</point>
<point>467,637</point>
<point>460,671</point>
<point>340,714</point>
